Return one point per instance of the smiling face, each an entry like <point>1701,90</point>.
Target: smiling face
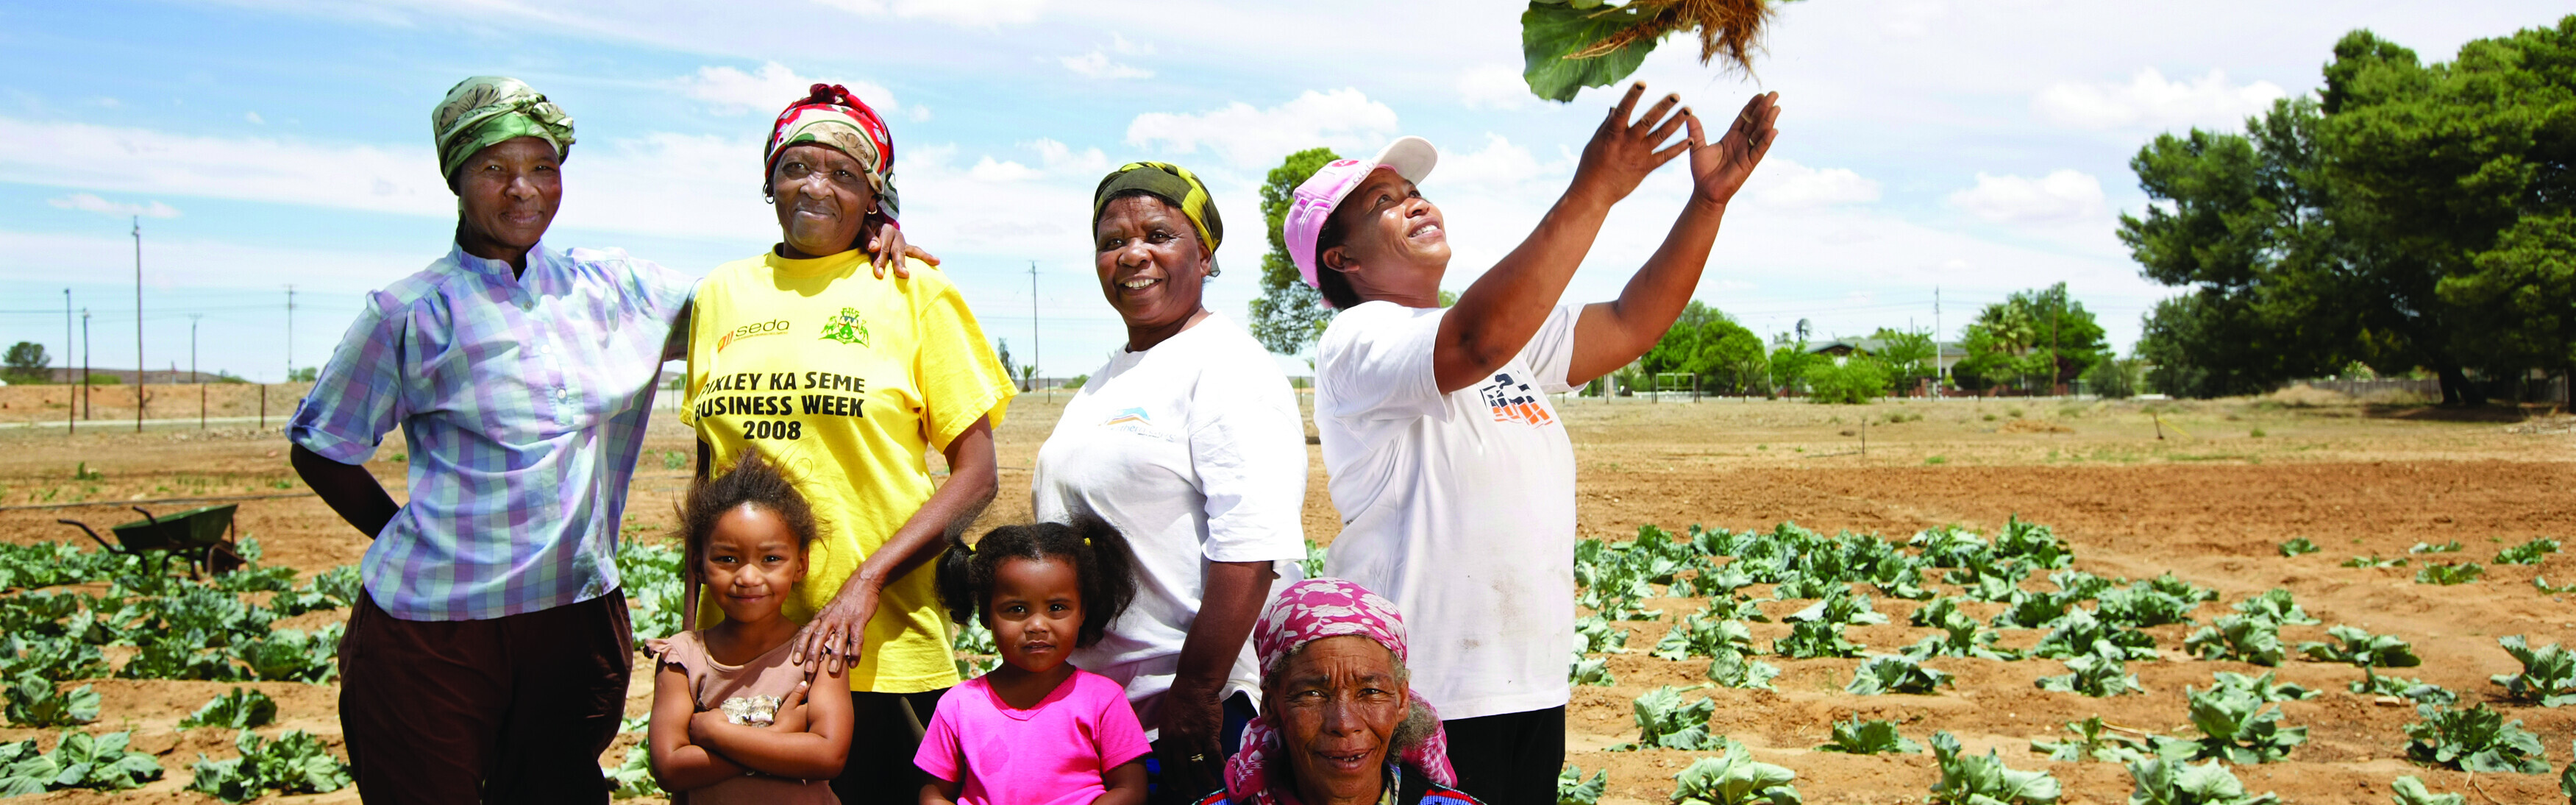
<point>822,199</point>
<point>751,561</point>
<point>507,195</point>
<point>1394,242</point>
<point>1035,612</point>
<point>1152,266</point>
<point>1338,702</point>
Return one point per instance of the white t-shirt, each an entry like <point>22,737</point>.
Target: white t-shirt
<point>1195,451</point>
<point>1458,507</point>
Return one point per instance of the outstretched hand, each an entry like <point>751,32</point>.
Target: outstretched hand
<point>1719,169</point>
<point>1623,151</point>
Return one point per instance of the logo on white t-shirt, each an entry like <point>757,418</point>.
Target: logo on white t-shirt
<point>1514,402</point>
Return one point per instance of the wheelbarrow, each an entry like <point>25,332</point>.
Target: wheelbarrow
<point>202,536</point>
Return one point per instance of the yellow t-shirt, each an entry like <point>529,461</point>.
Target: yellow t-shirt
<point>844,380</point>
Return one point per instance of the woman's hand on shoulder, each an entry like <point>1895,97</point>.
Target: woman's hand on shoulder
<point>889,248</point>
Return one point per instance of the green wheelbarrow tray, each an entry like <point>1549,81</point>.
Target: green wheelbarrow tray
<point>203,536</point>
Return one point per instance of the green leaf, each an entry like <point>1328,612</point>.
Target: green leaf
<point>1896,674</point>
<point>1572,790</point>
<point>1740,670</point>
<point>34,702</point>
<point>2475,739</point>
<point>2548,675</point>
<point>1665,721</point>
<point>1857,737</point>
<point>2098,674</point>
<point>2410,791</point>
<point>2239,727</point>
<point>2528,553</point>
<point>2449,574</point>
<point>1734,778</point>
<point>238,708</point>
<point>1974,780</point>
<point>2298,545</point>
<point>2171,782</point>
<point>2246,638</point>
<point>2357,647</point>
<point>1550,31</point>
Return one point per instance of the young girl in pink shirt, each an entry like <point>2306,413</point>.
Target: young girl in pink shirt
<point>733,720</point>
<point>1037,730</point>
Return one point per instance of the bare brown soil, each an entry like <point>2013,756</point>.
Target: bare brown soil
<point>2209,502</point>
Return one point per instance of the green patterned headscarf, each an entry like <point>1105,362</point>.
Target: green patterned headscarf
<point>487,109</point>
<point>1174,184</point>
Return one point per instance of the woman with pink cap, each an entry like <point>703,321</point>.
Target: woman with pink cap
<point>1454,478</point>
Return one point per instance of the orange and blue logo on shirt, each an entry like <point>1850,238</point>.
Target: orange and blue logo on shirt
<point>1514,402</point>
<point>1127,416</point>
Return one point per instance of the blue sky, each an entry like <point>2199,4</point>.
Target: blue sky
<point>1977,147</point>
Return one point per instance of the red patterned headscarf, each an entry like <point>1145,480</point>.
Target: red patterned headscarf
<point>1308,611</point>
<point>830,116</point>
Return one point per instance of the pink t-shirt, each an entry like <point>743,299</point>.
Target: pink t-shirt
<point>1051,754</point>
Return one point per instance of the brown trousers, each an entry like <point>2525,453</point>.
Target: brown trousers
<point>507,710</point>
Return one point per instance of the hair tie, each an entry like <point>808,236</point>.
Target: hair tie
<point>968,547</point>
<point>1086,542</point>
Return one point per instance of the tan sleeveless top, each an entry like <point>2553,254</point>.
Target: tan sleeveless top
<point>747,694</point>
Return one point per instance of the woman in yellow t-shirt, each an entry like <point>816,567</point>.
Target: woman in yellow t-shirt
<point>844,381</point>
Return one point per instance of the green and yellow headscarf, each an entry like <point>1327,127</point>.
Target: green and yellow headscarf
<point>1175,185</point>
<point>488,109</point>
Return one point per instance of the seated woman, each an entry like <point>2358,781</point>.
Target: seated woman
<point>1340,724</point>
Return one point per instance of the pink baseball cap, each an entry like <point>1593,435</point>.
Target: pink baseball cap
<point>1313,202</point>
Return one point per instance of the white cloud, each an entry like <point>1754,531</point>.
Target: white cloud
<point>1058,157</point>
<point>1500,166</point>
<point>397,179</point>
<point>730,91</point>
<point>1096,64</point>
<point>254,118</point>
<point>969,13</point>
<point>89,203</point>
<point>1493,86</point>
<point>1786,184</point>
<point>2061,196</point>
<point>1118,42</point>
<point>2151,101</point>
<point>987,170</point>
<point>1246,137</point>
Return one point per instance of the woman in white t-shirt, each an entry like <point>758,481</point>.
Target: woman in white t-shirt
<point>1454,478</point>
<point>1189,442</point>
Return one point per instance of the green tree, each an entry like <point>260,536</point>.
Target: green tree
<point>2411,216</point>
<point>26,362</point>
<point>1290,314</point>
<point>1789,364</point>
<point>1709,343</point>
<point>2040,335</point>
<point>1907,354</point>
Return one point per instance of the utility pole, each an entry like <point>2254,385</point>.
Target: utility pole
<point>192,369</point>
<point>138,324</point>
<point>1035,349</point>
<point>1940,369</point>
<point>85,410</point>
<point>290,333</point>
<point>71,407</point>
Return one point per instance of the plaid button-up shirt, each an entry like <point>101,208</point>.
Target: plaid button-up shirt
<point>523,400</point>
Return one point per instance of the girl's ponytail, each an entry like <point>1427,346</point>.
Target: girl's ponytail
<point>1108,575</point>
<point>955,579</point>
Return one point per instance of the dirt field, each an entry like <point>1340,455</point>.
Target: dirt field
<point>2209,502</point>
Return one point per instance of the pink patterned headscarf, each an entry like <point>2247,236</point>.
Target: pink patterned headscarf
<point>1308,611</point>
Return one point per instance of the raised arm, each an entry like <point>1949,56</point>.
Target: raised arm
<point>1496,316</point>
<point>1610,334</point>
